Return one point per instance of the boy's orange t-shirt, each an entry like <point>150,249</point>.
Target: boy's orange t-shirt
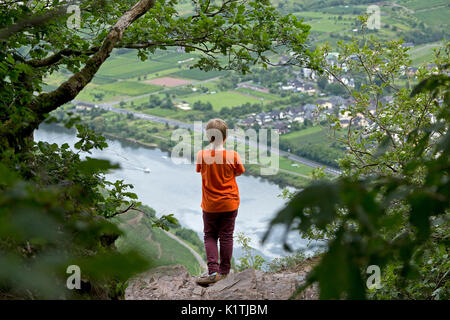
<point>219,168</point>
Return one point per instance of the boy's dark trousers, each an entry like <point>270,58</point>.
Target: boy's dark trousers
<point>219,226</point>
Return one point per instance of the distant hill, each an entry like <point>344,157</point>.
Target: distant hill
<point>422,24</point>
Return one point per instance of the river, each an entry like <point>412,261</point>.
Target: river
<point>176,188</point>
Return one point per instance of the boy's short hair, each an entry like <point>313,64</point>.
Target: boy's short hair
<point>215,126</point>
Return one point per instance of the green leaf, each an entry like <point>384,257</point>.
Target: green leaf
<point>92,166</point>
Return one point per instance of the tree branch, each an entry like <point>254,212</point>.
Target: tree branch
<point>67,91</point>
<point>131,206</point>
<point>54,58</point>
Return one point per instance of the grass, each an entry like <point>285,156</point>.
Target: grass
<point>130,88</point>
<point>423,53</point>
<point>294,136</point>
<point>435,17</point>
<point>313,135</point>
<point>293,166</point>
<point>315,141</point>
<point>128,65</point>
<point>211,85</point>
<point>100,80</point>
<point>223,99</point>
<point>325,25</point>
<point>258,94</point>
<point>125,69</point>
<point>196,74</point>
<point>89,92</point>
<point>420,4</point>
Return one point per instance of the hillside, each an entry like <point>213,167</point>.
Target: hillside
<point>160,247</point>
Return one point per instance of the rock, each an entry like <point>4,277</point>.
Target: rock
<point>237,286</point>
<point>175,283</point>
<point>199,291</point>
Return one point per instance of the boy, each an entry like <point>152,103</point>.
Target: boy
<point>220,199</point>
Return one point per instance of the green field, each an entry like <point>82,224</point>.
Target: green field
<point>290,165</point>
<point>125,68</point>
<point>420,4</point>
<point>196,74</point>
<point>128,65</point>
<point>258,94</point>
<point>313,143</point>
<point>130,88</point>
<point>295,136</point>
<point>436,17</point>
<point>424,53</point>
<point>220,100</point>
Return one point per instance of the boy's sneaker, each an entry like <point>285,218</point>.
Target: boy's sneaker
<point>206,278</point>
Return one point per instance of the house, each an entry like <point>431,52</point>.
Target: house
<point>280,127</point>
<point>407,45</point>
<point>309,89</point>
<point>183,106</point>
<point>306,73</point>
<point>84,106</point>
<point>308,115</point>
<point>332,58</point>
<point>263,117</point>
<point>412,71</point>
<point>277,114</point>
<point>386,100</point>
<point>299,119</point>
<point>350,82</point>
<point>309,107</point>
<point>337,101</point>
<point>248,122</point>
<point>288,87</point>
<point>361,120</point>
<point>324,103</point>
<point>346,115</point>
<point>80,107</point>
<point>344,123</point>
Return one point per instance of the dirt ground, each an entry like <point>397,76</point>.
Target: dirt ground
<point>168,82</point>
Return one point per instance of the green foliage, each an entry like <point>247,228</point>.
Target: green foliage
<point>398,222</point>
<point>165,222</point>
<point>191,237</point>
<point>248,260</point>
<point>286,262</point>
<point>53,214</point>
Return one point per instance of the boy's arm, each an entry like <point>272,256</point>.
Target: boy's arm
<point>198,161</point>
<point>238,166</point>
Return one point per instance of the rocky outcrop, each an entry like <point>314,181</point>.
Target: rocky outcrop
<point>175,283</point>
